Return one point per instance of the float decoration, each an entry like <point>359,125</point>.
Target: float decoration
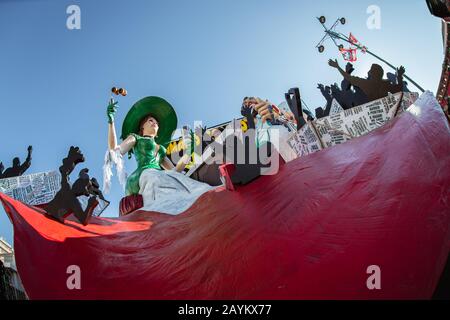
<point>66,200</point>
<point>350,54</point>
<point>346,97</point>
<point>260,243</point>
<point>17,168</point>
<point>374,86</point>
<point>310,231</point>
<point>441,9</point>
<point>294,102</point>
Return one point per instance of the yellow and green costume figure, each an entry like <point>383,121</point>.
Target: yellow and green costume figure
<point>166,191</point>
<point>146,151</point>
<point>146,157</point>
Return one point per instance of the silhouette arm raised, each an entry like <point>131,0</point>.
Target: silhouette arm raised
<point>354,81</point>
<point>27,162</point>
<point>399,86</point>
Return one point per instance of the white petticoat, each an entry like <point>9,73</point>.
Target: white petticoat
<point>168,191</point>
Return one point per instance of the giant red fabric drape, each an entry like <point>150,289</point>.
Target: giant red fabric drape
<point>311,231</point>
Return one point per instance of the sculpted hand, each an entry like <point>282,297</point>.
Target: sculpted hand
<point>246,111</point>
<point>265,110</point>
<point>111,110</point>
<point>401,71</point>
<point>333,63</point>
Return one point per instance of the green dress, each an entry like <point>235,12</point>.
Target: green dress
<point>146,157</point>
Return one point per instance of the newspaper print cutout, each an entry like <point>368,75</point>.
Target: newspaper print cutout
<point>32,189</point>
<point>305,141</point>
<point>348,124</point>
<point>40,188</point>
<point>335,107</point>
<point>409,98</point>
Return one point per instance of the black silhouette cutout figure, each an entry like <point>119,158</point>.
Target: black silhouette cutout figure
<point>93,187</point>
<point>374,87</point>
<point>248,112</point>
<point>294,102</point>
<point>347,98</point>
<point>341,96</point>
<point>359,97</point>
<point>17,169</point>
<point>65,201</point>
<point>355,97</point>
<point>326,92</point>
<point>346,95</point>
<point>319,113</point>
<point>392,77</point>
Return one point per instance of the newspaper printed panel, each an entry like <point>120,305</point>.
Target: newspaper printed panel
<point>360,120</point>
<point>340,127</point>
<point>335,107</point>
<point>305,141</point>
<point>40,188</point>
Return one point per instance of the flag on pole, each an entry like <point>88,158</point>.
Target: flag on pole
<point>352,39</point>
<point>350,53</point>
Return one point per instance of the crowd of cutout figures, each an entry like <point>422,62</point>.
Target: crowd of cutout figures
<point>258,114</point>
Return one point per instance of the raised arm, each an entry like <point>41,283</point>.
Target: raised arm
<point>167,164</point>
<point>354,81</point>
<point>128,143</point>
<point>27,163</point>
<point>246,111</point>
<point>335,64</point>
<point>399,86</point>
<point>111,112</point>
<point>182,163</point>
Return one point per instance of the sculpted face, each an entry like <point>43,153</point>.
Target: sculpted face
<point>149,126</point>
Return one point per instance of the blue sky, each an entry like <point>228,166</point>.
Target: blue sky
<point>203,56</point>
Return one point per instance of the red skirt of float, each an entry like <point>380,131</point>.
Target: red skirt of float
<point>309,232</point>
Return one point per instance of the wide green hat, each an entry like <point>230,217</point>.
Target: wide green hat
<point>159,109</point>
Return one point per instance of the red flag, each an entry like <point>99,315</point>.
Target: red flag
<point>349,54</point>
<point>352,39</point>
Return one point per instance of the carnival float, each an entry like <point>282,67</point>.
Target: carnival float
<point>364,182</point>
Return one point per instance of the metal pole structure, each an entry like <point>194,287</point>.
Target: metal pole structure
<point>337,35</point>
